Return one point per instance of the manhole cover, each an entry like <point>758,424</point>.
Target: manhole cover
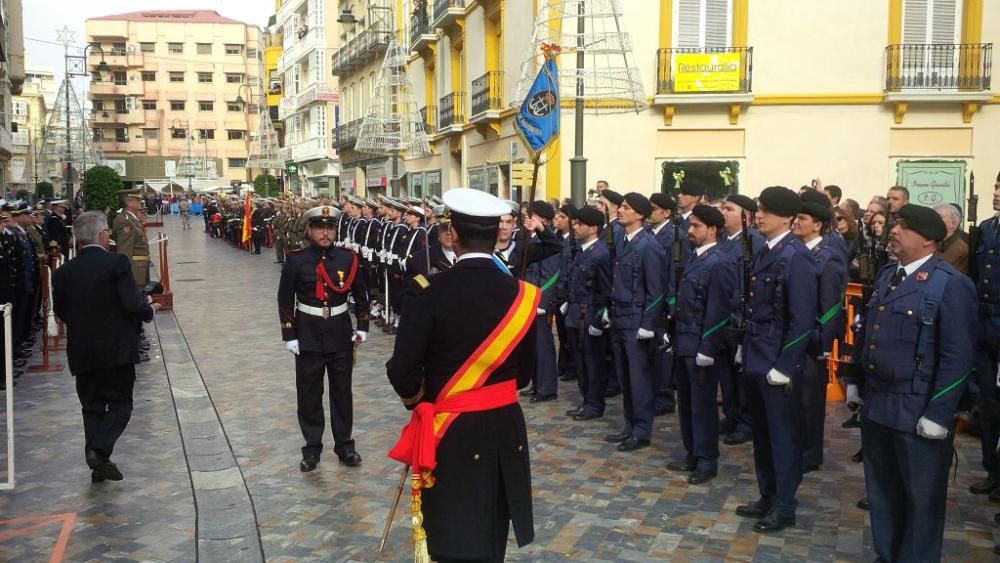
<point>190,280</point>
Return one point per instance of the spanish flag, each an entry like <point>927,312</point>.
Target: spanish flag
<point>247,211</point>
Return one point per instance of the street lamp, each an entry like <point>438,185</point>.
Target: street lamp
<point>77,68</point>
<point>246,107</point>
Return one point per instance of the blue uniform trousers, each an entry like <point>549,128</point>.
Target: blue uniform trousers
<point>698,413</point>
<point>591,376</point>
<point>663,372</point>
<point>566,363</point>
<point>632,363</point>
<point>814,383</point>
<point>546,380</point>
<point>989,424</point>
<point>907,481</point>
<point>777,440</point>
<point>734,397</point>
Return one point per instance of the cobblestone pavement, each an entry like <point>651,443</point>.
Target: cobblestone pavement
<point>592,503</point>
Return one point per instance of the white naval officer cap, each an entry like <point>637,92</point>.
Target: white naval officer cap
<point>474,205</point>
<point>322,215</point>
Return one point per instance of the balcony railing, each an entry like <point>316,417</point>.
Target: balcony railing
<point>453,109</point>
<point>429,115</point>
<point>366,44</point>
<point>731,71</point>
<point>487,93</point>
<point>445,11</point>
<point>346,135</point>
<point>419,27</point>
<point>938,67</point>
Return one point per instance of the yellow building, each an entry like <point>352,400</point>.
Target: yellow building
<point>747,93</point>
<point>169,107</point>
<point>273,83</point>
<point>11,80</point>
<point>30,111</point>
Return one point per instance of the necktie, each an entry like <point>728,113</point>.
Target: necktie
<point>897,279</point>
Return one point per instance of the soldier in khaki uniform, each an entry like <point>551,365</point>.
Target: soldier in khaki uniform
<point>279,224</point>
<point>129,235</point>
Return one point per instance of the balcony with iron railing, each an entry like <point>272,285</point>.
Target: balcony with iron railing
<point>709,70</point>
<point>421,33</point>
<point>429,116</point>
<point>446,12</point>
<point>363,48</point>
<point>452,111</point>
<point>938,67</point>
<point>346,135</point>
<point>487,96</point>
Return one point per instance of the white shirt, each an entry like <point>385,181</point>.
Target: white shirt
<point>704,248</point>
<point>915,265</point>
<point>656,230</point>
<point>449,254</point>
<point>812,244</point>
<point>686,215</point>
<point>774,242</point>
<point>95,246</point>
<point>507,251</point>
<point>736,236</point>
<point>630,236</point>
<point>586,245</point>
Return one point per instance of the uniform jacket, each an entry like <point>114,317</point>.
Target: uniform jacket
<point>544,245</point>
<point>56,227</point>
<point>483,455</point>
<point>704,303</point>
<point>545,273</point>
<point>782,309</point>
<point>987,257</point>
<point>588,281</point>
<point>9,267</point>
<point>831,271</point>
<point>129,235</point>
<point>96,296</point>
<point>895,395</point>
<point>298,283</point>
<point>639,283</point>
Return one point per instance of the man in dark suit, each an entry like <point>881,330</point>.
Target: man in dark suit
<point>96,296</point>
<point>466,372</point>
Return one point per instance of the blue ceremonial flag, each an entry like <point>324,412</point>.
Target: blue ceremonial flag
<point>538,119</point>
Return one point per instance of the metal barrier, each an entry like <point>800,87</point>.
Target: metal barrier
<point>46,282</point>
<point>8,361</point>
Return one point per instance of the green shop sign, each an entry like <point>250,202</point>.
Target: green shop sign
<point>932,182</point>
<point>292,169</point>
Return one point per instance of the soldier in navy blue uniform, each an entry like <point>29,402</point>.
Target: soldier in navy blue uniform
<point>638,296</point>
<point>588,284</point>
<point>545,275</point>
<point>691,193</point>
<point>812,228</point>
<point>782,315</point>
<point>738,209</point>
<point>832,237</point>
<point>987,270</point>
<point>702,310</point>
<point>665,230</point>
<point>917,344</point>
<point>609,201</point>
<point>565,215</point>
<point>316,328</point>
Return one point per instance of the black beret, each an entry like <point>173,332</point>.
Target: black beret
<point>817,197</point>
<point>744,202</point>
<point>709,215</point>
<point>568,210</point>
<point>613,196</point>
<point>663,201</point>
<point>692,188</point>
<point>780,201</point>
<point>590,217</point>
<point>543,209</point>
<point>822,212</point>
<point>924,221</point>
<point>639,203</point>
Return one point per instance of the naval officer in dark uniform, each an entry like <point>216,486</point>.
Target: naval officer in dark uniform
<point>917,343</point>
<point>316,328</point>
<point>481,475</point>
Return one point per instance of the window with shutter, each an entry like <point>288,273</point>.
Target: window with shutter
<point>931,33</point>
<point>701,24</point>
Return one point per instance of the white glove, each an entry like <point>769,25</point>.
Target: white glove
<point>540,311</point>
<point>292,346</point>
<point>703,361</point>
<point>823,357</point>
<point>594,331</point>
<point>775,377</point>
<point>666,339</point>
<point>739,355</point>
<point>931,430</point>
<point>605,319</point>
<point>853,395</point>
<point>563,309</point>
<point>360,336</point>
<point>644,334</point>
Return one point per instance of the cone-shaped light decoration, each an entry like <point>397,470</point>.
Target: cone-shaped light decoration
<point>393,124</point>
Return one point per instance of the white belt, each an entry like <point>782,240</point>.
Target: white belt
<point>325,312</point>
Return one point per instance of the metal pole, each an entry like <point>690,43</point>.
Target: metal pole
<point>578,164</point>
<point>68,157</point>
<point>394,181</point>
<point>8,360</point>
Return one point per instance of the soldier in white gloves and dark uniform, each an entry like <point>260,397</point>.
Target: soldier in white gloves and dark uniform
<point>317,329</point>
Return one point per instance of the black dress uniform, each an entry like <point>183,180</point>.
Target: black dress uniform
<point>312,308</point>
<point>987,257</point>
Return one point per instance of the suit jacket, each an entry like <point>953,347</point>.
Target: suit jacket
<point>955,251</point>
<point>96,296</point>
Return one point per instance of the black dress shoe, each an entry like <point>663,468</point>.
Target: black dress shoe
<point>567,377</point>
<point>143,357</point>
<point>853,422</point>
<point>351,459</point>
<point>758,509</point>
<point>528,393</point>
<point>575,411</point>
<point>586,416</point>
<point>542,398</point>
<point>612,393</point>
<point>736,438</point>
<point>681,466</point>
<point>996,549</point>
<point>810,468</point>
<point>663,410</point>
<point>617,437</point>
<point>726,426</point>
<point>773,523</point>
<point>308,463</point>
<point>701,476</point>
<point>983,487</point>
<point>632,444</point>
<point>858,457</point>
<point>862,504</point>
<point>105,471</point>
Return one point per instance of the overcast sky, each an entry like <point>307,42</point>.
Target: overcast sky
<point>43,17</point>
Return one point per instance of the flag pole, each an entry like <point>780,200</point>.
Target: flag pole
<point>525,236</point>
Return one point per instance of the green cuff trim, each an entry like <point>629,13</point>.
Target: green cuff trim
<point>721,324</point>
<point>655,302</point>
<point>551,281</point>
<point>797,340</point>
<point>955,384</point>
<point>672,301</point>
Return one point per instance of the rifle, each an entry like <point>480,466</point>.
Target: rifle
<point>609,238</point>
<point>974,233</point>
<point>736,329</point>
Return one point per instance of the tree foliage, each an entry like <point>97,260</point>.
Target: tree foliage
<point>44,189</point>
<point>100,189</point>
<point>264,185</point>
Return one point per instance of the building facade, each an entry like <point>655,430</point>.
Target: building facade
<point>182,98</point>
<point>11,80</point>
<point>309,33</point>
<point>30,111</point>
<point>886,92</point>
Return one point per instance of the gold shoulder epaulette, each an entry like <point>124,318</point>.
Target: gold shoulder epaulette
<point>423,282</point>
